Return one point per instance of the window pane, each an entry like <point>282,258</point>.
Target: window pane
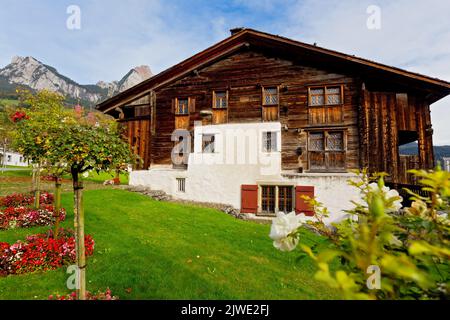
<point>334,90</point>
<point>334,95</point>
<point>221,100</point>
<point>316,141</point>
<point>182,107</point>
<point>317,100</point>
<point>285,199</point>
<point>334,99</point>
<point>268,199</point>
<point>270,142</point>
<point>270,96</point>
<point>335,141</point>
<point>317,91</point>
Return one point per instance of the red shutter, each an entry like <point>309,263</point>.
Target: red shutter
<point>249,199</point>
<point>300,205</point>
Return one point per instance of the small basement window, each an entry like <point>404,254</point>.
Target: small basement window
<point>181,184</point>
<point>277,199</point>
<point>208,141</point>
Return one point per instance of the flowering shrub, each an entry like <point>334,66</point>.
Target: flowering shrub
<point>18,116</point>
<point>24,199</point>
<point>406,250</point>
<point>107,295</point>
<point>24,217</point>
<point>40,252</point>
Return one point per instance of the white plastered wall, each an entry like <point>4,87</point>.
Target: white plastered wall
<point>239,159</point>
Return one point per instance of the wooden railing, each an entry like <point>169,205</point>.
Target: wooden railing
<point>401,188</point>
<point>407,162</point>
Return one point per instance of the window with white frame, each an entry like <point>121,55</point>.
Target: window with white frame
<point>208,143</point>
<point>270,141</point>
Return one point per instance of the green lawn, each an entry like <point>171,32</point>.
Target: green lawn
<point>9,102</point>
<point>155,250</point>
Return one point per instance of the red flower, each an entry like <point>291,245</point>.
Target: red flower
<point>19,116</point>
<point>40,252</point>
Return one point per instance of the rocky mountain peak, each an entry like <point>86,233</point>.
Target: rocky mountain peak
<point>30,72</point>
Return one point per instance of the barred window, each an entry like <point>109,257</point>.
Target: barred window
<point>270,141</point>
<point>181,184</point>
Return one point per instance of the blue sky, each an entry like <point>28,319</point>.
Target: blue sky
<point>118,35</point>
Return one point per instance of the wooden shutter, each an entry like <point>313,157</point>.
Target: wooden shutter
<point>249,198</point>
<point>300,204</point>
<point>191,104</point>
<point>174,105</point>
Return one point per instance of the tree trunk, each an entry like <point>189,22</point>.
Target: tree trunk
<point>79,234</point>
<point>57,206</point>
<point>37,190</point>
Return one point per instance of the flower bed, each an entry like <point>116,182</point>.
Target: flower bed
<point>24,217</point>
<point>100,295</point>
<point>40,252</point>
<point>24,199</point>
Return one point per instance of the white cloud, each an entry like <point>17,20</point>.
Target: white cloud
<point>414,35</point>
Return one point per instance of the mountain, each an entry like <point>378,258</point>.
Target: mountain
<point>32,74</point>
<point>439,151</point>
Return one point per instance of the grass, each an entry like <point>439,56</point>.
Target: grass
<point>155,250</point>
<point>9,102</point>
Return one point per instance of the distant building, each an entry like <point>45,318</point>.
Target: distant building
<point>12,158</point>
<point>446,163</point>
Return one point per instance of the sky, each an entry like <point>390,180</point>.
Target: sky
<point>115,36</point>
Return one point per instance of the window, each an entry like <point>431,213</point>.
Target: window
<point>220,100</point>
<point>182,106</point>
<point>326,151</point>
<point>325,105</point>
<point>268,199</point>
<point>142,111</point>
<point>270,96</point>
<point>270,142</point>
<point>277,198</point>
<point>181,184</point>
<point>208,143</point>
<point>329,95</point>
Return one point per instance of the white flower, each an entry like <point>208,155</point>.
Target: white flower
<point>388,194</point>
<point>283,231</point>
<point>86,174</point>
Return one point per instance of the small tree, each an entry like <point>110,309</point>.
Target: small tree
<point>6,130</point>
<point>86,143</point>
<point>36,128</point>
<point>67,140</point>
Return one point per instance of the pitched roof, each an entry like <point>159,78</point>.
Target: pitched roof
<point>245,37</point>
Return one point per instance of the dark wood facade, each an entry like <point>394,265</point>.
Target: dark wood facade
<point>336,113</point>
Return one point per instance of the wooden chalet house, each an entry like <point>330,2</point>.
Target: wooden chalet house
<point>312,113</point>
